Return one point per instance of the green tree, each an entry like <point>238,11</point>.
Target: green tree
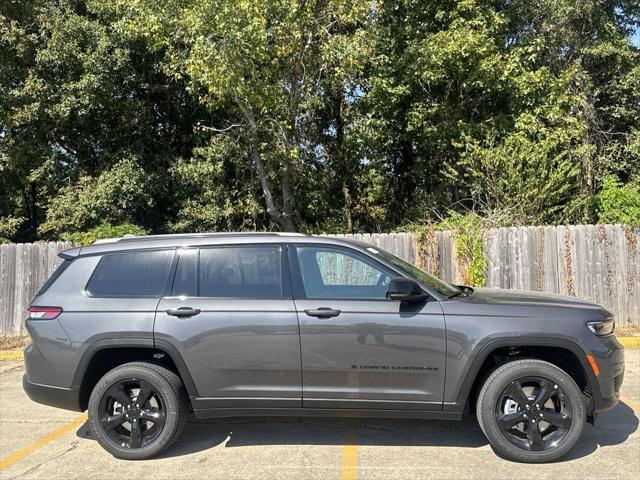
<point>321,115</point>
<point>261,57</point>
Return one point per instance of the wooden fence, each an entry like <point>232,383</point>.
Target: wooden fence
<point>595,262</point>
<point>24,267</point>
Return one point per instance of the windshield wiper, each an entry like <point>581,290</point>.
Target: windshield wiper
<point>460,293</point>
<point>463,292</point>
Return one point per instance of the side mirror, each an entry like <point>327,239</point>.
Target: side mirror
<point>405,290</point>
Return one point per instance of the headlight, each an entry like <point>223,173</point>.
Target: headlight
<point>602,327</point>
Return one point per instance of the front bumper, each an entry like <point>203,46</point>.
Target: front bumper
<point>606,392</point>
<point>67,398</point>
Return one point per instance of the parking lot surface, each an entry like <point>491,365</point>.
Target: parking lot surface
<point>47,443</point>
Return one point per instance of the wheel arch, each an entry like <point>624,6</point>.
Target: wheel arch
<point>522,347</point>
<point>103,355</point>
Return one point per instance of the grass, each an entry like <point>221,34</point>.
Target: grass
<point>628,331</point>
<point>13,343</point>
<point>11,348</point>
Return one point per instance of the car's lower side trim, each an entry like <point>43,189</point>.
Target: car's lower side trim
<point>321,412</point>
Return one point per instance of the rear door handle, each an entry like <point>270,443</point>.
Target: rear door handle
<point>183,312</point>
<point>322,312</point>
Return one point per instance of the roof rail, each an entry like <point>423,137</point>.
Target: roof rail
<point>130,237</point>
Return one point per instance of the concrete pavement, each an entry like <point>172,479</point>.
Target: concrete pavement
<point>42,442</point>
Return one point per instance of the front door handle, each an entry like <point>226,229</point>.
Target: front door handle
<point>322,312</point>
<point>183,311</point>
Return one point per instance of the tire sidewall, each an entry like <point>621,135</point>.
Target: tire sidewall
<point>170,403</point>
<point>518,369</point>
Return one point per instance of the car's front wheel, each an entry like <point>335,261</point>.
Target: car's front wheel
<point>137,410</point>
<point>531,411</point>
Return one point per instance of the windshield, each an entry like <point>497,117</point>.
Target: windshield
<point>423,277</point>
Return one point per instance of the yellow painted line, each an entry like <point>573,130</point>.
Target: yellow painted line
<point>630,342</point>
<point>41,442</point>
<point>349,470</point>
<point>11,355</point>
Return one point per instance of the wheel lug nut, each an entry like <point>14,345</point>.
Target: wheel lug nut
<point>541,415</point>
<point>532,421</point>
<point>528,407</point>
<point>537,405</point>
<point>555,387</point>
<point>525,415</point>
<point>126,415</point>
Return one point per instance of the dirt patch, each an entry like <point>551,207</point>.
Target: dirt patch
<point>13,343</point>
<point>628,331</point>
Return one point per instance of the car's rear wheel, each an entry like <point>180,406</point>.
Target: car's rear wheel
<point>137,410</point>
<point>531,411</point>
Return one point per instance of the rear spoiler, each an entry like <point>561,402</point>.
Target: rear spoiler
<point>70,253</point>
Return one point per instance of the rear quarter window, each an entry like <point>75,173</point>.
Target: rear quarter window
<point>54,276</point>
<point>131,274</point>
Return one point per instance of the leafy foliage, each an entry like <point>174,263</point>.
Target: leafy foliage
<point>321,115</point>
<point>104,230</point>
<point>616,203</point>
<point>8,228</point>
<point>120,194</point>
<point>468,233</point>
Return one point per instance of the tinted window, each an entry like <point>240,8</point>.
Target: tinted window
<point>131,274</point>
<point>420,275</point>
<point>241,272</point>
<point>184,282</point>
<point>334,273</point>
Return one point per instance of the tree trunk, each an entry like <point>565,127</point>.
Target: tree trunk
<point>287,200</point>
<point>284,220</point>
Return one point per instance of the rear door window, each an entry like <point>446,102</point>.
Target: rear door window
<point>131,274</point>
<point>185,280</point>
<point>241,272</point>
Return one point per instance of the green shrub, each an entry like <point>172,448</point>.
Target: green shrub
<point>617,203</point>
<point>468,235</point>
<point>9,227</point>
<point>104,230</point>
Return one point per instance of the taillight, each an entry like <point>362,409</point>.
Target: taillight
<point>44,313</point>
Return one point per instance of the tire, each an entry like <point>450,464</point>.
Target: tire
<point>500,403</point>
<point>160,419</point>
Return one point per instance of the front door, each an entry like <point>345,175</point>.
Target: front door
<point>359,349</point>
<point>231,317</point>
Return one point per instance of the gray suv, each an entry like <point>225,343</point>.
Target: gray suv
<point>142,331</point>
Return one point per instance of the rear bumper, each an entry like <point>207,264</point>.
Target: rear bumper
<point>67,398</point>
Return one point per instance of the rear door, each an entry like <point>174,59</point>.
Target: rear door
<point>231,316</point>
<point>359,349</point>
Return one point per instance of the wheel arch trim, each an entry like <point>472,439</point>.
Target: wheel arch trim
<point>489,347</point>
<point>141,343</point>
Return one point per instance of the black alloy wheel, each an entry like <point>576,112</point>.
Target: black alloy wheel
<point>133,413</point>
<point>138,409</point>
<point>533,413</point>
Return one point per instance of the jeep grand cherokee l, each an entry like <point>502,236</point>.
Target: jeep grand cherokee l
<point>142,331</point>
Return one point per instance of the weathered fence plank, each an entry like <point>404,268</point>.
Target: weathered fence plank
<point>596,262</point>
<point>600,263</point>
<point>24,267</point>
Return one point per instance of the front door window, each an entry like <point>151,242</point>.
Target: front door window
<point>334,273</point>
